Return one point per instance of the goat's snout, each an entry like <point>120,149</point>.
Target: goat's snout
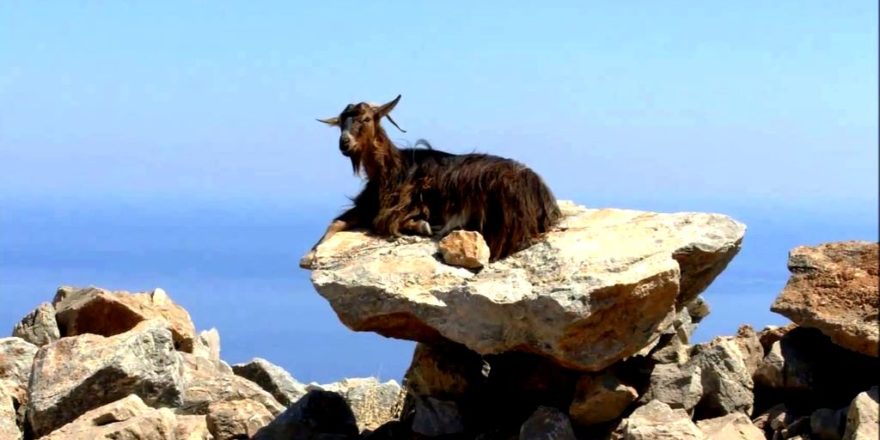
<point>344,145</point>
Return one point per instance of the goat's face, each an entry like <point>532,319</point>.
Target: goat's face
<point>359,126</point>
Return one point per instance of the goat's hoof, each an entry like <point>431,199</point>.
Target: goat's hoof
<point>424,228</point>
<point>307,261</point>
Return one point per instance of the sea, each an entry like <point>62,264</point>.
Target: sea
<point>233,264</point>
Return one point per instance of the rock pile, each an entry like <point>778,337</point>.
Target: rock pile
<point>586,334</point>
<point>98,364</point>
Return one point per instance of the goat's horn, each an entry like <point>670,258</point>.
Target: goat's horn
<point>395,123</point>
<point>330,121</point>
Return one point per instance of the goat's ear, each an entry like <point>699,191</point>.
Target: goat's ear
<point>385,109</point>
<point>334,121</point>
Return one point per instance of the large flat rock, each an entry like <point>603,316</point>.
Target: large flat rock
<point>834,288</point>
<point>598,288</point>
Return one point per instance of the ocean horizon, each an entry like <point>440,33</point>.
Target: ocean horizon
<point>234,266</point>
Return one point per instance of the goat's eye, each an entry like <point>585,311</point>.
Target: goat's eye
<point>367,119</point>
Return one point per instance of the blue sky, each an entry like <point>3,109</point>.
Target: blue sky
<point>755,101</point>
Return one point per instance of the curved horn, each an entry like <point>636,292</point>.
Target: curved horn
<point>334,121</point>
<point>385,109</point>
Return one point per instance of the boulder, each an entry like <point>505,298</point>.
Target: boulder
<point>446,371</point>
<point>16,360</point>
<point>319,414</point>
<point>105,313</point>
<point>734,426</point>
<point>77,374</point>
<point>600,398</point>
<point>39,326</point>
<point>8,424</point>
<point>657,421</point>
<point>372,402</point>
<point>192,428</point>
<point>272,378</point>
<point>863,417</point>
<point>434,417</point>
<point>598,288</point>
<point>547,423</point>
<point>834,288</point>
<point>237,419</point>
<point>678,386</point>
<point>127,418</point>
<point>207,345</point>
<point>207,381</point>
<point>465,249</point>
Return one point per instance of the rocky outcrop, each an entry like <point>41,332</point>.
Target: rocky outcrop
<point>101,312</point>
<point>74,375</point>
<point>598,288</point>
<point>834,288</point>
<point>39,326</point>
<point>272,378</point>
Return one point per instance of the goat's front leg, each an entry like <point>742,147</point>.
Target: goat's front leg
<point>341,223</point>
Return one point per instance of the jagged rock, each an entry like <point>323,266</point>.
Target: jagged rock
<point>599,399</point>
<point>434,417</point>
<point>208,381</point>
<point>207,344</point>
<point>827,424</point>
<point>74,375</point>
<point>229,420</point>
<point>99,311</point>
<point>39,326</point>
<point>657,421</point>
<point>734,426</point>
<point>16,359</point>
<point>834,288</point>
<point>127,418</point>
<point>317,415</point>
<point>863,417</point>
<point>598,288</point>
<point>547,423</point>
<point>678,386</point>
<point>372,402</point>
<point>465,249</point>
<point>8,425</point>
<point>807,367</point>
<point>272,378</point>
<point>192,428</point>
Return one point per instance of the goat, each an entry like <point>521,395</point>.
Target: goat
<point>427,191</point>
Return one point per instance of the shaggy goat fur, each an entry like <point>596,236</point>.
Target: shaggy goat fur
<point>427,191</point>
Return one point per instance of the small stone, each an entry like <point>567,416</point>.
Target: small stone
<point>863,417</point>
<point>734,426</point>
<point>39,326</point>
<point>465,249</point>
<point>272,378</point>
<point>547,423</point>
<point>599,399</point>
<point>236,419</point>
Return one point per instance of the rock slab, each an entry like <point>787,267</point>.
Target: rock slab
<point>598,288</point>
<point>834,288</point>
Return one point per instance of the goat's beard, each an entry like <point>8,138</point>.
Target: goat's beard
<point>356,165</point>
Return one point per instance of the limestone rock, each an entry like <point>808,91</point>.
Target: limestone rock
<point>39,326</point>
<point>127,418</point>
<point>99,311</point>
<point>863,417</point>
<point>834,288</point>
<point>74,375</point>
<point>657,421</point>
<point>598,288</point>
<point>599,399</point>
<point>207,381</point>
<point>207,345</point>
<point>318,415</point>
<point>16,359</point>
<point>192,428</point>
<point>272,378</point>
<point>8,426</point>
<point>228,420</point>
<point>371,401</point>
<point>734,426</point>
<point>465,249</point>
<point>547,423</point>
